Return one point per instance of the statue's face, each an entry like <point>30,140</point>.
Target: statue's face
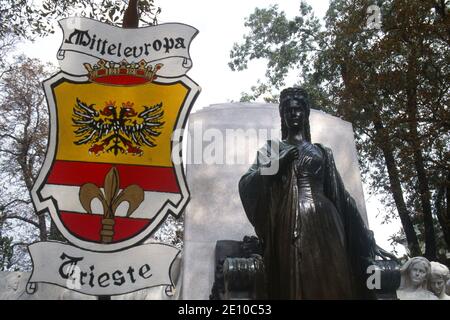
<point>294,113</point>
<point>418,273</point>
<point>437,284</point>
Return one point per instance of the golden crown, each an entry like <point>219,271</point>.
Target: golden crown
<point>122,73</point>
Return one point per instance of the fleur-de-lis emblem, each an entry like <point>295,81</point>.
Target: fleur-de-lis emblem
<point>111,198</point>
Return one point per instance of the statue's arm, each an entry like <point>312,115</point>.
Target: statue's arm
<point>254,188</point>
<point>257,185</point>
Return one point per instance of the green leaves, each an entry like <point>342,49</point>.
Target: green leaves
<point>286,44</point>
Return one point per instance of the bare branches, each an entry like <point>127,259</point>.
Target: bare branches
<point>7,151</point>
<point>17,217</point>
<point>23,138</point>
<point>10,136</point>
<point>15,201</point>
<point>20,244</point>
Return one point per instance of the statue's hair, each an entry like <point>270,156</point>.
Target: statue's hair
<point>405,281</point>
<point>440,270</point>
<point>299,94</point>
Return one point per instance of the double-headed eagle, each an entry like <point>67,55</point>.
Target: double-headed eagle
<point>117,131</point>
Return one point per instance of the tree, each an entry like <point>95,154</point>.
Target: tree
<point>6,252</point>
<point>23,141</point>
<point>29,19</point>
<point>391,82</point>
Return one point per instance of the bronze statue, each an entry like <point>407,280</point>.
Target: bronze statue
<point>316,245</point>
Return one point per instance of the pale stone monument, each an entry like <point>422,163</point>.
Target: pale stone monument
<point>222,143</point>
<point>438,280</point>
<point>415,274</point>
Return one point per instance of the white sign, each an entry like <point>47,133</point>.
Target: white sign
<point>96,273</point>
<point>87,41</point>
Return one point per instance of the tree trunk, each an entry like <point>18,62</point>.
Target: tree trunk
<point>447,202</point>
<point>27,173</point>
<point>397,193</point>
<point>443,219</point>
<point>55,234</point>
<point>424,191</point>
<point>42,228</point>
<point>131,15</point>
<point>385,145</point>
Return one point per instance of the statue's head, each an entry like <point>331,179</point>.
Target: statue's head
<point>415,273</point>
<point>294,111</point>
<point>438,278</point>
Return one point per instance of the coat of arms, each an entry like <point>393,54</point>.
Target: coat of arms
<point>111,175</point>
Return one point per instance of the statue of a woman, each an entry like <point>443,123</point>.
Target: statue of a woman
<point>438,279</point>
<point>415,274</point>
<point>316,245</point>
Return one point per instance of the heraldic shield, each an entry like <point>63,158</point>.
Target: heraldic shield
<point>113,169</point>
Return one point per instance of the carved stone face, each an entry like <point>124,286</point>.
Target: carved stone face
<point>295,113</point>
<point>437,284</point>
<point>418,273</point>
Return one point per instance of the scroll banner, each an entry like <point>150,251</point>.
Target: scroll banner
<point>87,41</point>
<point>95,273</point>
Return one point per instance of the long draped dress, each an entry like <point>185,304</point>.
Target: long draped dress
<point>316,245</point>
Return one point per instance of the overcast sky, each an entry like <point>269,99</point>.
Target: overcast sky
<point>221,23</point>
